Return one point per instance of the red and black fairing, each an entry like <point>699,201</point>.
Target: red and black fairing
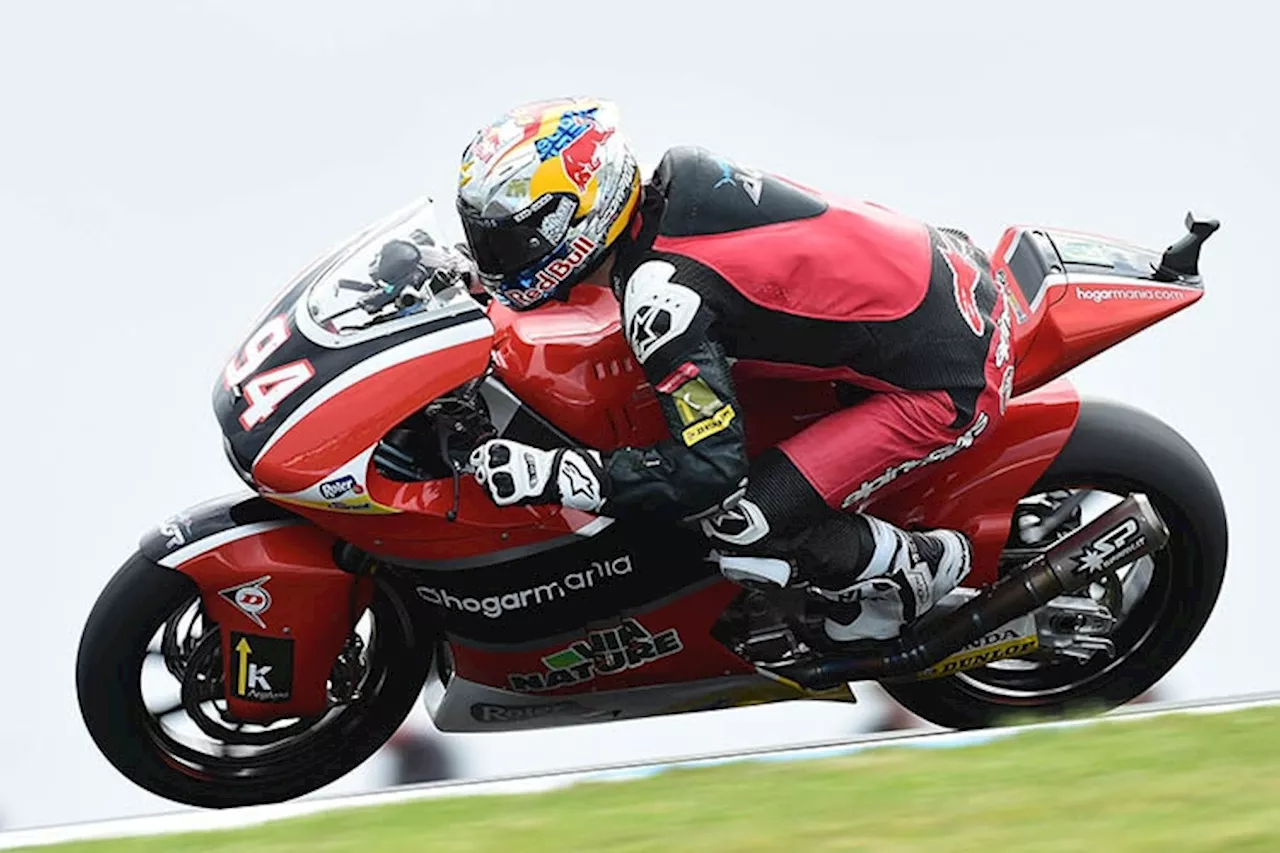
<point>522,592</point>
<point>621,569</point>
<point>669,643</point>
<point>298,463</point>
<point>288,394</point>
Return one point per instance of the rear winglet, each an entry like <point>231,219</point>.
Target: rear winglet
<point>1182,259</point>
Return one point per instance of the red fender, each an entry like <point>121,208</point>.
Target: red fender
<point>269,579</point>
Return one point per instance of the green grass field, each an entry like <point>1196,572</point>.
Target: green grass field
<point>1177,783</point>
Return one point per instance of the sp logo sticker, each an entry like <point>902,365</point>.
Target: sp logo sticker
<point>251,599</point>
<point>1109,548</point>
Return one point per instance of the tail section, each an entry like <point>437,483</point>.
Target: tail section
<point>1074,295</point>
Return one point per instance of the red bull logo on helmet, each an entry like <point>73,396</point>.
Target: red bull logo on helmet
<point>549,278</point>
<point>582,157</point>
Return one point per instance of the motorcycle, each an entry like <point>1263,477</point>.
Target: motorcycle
<point>292,626</point>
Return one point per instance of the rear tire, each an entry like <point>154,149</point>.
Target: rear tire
<point>130,610</point>
<point>1123,450</point>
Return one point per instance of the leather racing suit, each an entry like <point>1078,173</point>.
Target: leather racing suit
<point>726,269</point>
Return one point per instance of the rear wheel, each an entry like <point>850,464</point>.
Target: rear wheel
<point>149,679</point>
<point>1115,640</point>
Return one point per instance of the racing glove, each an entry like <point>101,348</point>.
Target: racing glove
<point>515,473</point>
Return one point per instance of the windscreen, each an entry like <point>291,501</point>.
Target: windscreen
<point>345,304</point>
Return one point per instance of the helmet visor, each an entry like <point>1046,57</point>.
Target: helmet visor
<point>504,246</point>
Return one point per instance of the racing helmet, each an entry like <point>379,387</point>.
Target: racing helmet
<point>544,193</point>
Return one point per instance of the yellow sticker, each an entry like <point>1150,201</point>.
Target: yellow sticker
<point>709,427</point>
<point>359,506</point>
<point>695,401</point>
<point>973,658</point>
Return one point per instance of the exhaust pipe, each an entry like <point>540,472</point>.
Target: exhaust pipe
<point>1127,532</point>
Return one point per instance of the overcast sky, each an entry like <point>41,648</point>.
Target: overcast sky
<point>166,167</point>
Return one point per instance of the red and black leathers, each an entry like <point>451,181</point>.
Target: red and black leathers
<point>725,263</point>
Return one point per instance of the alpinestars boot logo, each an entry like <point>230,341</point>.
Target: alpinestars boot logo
<point>613,650</point>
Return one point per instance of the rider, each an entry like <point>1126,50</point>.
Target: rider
<point>713,263</point>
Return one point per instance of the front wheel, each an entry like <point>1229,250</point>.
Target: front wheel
<point>149,679</point>
<point>1116,639</point>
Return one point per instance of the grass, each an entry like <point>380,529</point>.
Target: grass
<point>1175,783</point>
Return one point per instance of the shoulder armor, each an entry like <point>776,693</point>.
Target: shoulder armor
<point>656,309</point>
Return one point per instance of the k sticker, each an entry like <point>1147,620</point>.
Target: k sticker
<point>261,668</point>
<point>251,599</point>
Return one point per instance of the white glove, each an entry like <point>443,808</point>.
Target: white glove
<point>515,473</point>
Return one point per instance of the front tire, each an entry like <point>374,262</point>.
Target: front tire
<point>143,600</point>
<point>1121,450</point>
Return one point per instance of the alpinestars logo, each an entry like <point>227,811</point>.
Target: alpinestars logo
<point>893,472</point>
<point>658,309</point>
<point>1004,349</point>
<point>1004,331</point>
<point>629,646</point>
<point>1006,389</point>
<point>1002,282</point>
<point>741,524</point>
<point>578,484</point>
<point>1110,548</point>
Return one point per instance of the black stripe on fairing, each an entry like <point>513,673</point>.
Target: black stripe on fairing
<point>328,363</point>
<point>638,612</point>
<point>208,519</point>
<point>660,566</point>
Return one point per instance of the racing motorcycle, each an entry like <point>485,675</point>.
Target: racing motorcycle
<point>262,645</point>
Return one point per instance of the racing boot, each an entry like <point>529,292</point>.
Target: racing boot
<point>907,576</point>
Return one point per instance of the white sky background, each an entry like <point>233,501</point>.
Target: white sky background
<point>166,167</point>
